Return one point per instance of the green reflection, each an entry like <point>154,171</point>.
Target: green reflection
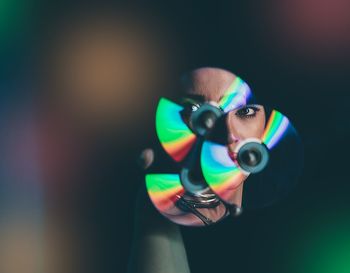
<point>13,14</point>
<point>324,246</point>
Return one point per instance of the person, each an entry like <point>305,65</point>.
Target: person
<point>158,245</point>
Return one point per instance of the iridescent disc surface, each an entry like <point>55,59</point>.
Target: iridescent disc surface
<point>214,164</point>
<point>220,172</point>
<point>276,127</point>
<point>174,135</point>
<point>169,197</point>
<point>236,95</point>
<point>164,190</point>
<point>224,176</point>
<point>280,176</point>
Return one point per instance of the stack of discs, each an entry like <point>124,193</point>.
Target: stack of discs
<point>255,166</point>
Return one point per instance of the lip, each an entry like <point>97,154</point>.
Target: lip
<point>232,139</point>
<point>232,152</point>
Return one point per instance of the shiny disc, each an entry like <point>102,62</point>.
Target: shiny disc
<point>174,135</point>
<point>284,167</point>
<point>249,156</point>
<point>164,190</point>
<point>224,175</point>
<point>169,197</point>
<point>236,95</point>
<point>276,127</point>
<point>220,171</point>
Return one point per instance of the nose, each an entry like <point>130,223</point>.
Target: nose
<point>231,137</point>
<point>232,134</point>
<point>224,132</point>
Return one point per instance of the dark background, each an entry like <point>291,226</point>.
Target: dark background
<point>294,56</point>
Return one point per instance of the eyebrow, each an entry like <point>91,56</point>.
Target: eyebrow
<point>194,97</point>
<point>249,105</point>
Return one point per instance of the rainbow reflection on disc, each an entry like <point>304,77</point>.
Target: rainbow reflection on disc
<point>219,170</point>
<point>168,196</point>
<point>275,129</point>
<point>164,190</point>
<point>236,95</point>
<point>281,174</point>
<point>174,135</point>
<point>224,175</point>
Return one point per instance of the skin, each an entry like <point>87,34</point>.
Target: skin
<point>211,83</point>
<point>243,128</point>
<point>158,245</point>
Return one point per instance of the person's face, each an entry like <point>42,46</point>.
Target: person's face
<point>211,85</point>
<point>243,122</point>
<point>238,121</point>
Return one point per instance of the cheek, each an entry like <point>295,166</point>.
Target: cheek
<point>246,128</point>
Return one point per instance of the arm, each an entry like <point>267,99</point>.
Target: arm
<point>157,245</point>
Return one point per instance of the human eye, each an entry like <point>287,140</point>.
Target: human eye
<point>248,111</point>
<point>189,106</point>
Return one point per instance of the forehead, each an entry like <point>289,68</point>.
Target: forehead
<point>220,86</point>
<point>210,84</point>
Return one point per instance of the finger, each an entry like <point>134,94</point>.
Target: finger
<point>146,158</point>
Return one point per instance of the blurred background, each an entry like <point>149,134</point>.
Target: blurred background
<point>79,83</point>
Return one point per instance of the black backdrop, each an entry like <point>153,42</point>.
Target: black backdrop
<point>312,93</point>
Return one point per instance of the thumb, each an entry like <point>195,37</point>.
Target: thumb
<point>146,158</point>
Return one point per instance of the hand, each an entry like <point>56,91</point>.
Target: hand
<point>158,246</point>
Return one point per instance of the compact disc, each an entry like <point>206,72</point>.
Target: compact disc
<point>172,201</point>
<point>281,173</point>
<point>174,135</point>
<point>267,166</point>
<point>216,156</point>
<point>167,189</point>
<point>177,134</point>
